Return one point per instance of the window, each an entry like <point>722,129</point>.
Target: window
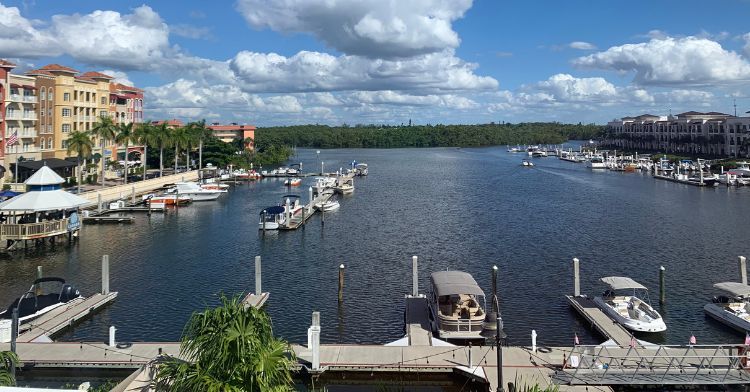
<point>41,113</point>
<point>49,112</point>
<point>64,144</point>
<point>66,97</point>
<point>104,100</point>
<point>43,94</point>
<point>103,113</point>
<point>50,95</point>
<point>66,112</point>
<point>66,128</point>
<point>49,143</point>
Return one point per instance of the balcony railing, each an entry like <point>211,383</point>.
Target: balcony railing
<point>14,116</point>
<point>28,132</point>
<point>28,231</point>
<point>29,98</point>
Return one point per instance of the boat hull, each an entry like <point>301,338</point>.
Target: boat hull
<point>656,325</point>
<point>202,196</point>
<point>269,226</point>
<point>725,317</point>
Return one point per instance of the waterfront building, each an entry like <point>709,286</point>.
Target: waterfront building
<point>125,104</point>
<point>20,139</point>
<point>692,132</point>
<point>231,132</point>
<point>173,123</point>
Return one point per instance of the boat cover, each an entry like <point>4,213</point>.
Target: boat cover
<point>622,282</point>
<point>735,288</point>
<point>273,210</point>
<point>454,282</point>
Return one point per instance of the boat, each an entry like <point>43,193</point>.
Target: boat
<point>166,200</point>
<point>293,181</point>
<point>360,169</point>
<point>196,193</point>
<point>514,149</point>
<point>292,202</point>
<point>733,309</point>
<point>527,163</point>
<point>38,301</point>
<point>271,218</point>
<point>215,186</point>
<point>456,305</point>
<point>330,205</point>
<point>631,311</point>
<point>596,162</point>
<point>344,185</point>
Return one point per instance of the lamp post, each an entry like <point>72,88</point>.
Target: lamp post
<point>19,158</point>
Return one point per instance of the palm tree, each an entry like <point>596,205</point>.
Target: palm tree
<point>105,129</point>
<point>180,137</point>
<point>125,134</point>
<point>229,348</point>
<point>8,361</point>
<point>201,133</point>
<point>80,142</point>
<point>162,137</point>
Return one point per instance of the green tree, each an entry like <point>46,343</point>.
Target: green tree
<point>81,144</point>
<point>105,129</point>
<point>229,348</point>
<point>202,133</point>
<point>180,137</point>
<point>8,360</point>
<point>162,138</point>
<point>125,134</point>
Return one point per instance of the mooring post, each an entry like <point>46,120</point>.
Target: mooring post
<point>341,282</point>
<point>112,330</point>
<point>533,340</point>
<point>662,289</point>
<point>576,277</point>
<point>105,274</point>
<point>470,361</point>
<point>288,212</point>
<point>494,288</point>
<point>743,269</point>
<point>257,276</point>
<point>310,193</point>
<point>98,202</point>
<point>39,275</point>
<point>13,336</point>
<point>322,218</point>
<point>264,221</point>
<point>132,194</point>
<point>414,277</point>
<point>314,340</point>
<point>321,168</point>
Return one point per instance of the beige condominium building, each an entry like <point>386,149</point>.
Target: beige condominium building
<point>21,119</point>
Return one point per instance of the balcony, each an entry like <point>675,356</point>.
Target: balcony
<point>16,97</point>
<point>28,133</point>
<point>29,98</point>
<point>29,117</point>
<point>14,116</point>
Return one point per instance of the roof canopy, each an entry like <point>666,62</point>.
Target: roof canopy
<point>735,288</point>
<point>36,201</point>
<point>273,210</point>
<point>622,282</point>
<point>454,282</point>
<point>44,176</point>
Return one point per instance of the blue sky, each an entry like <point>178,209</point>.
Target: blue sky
<point>269,62</point>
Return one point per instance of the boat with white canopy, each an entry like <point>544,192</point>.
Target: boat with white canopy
<point>733,309</point>
<point>456,305</point>
<point>633,311</point>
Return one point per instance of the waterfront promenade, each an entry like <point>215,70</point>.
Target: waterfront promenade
<point>128,191</point>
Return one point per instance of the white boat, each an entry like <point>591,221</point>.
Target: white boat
<point>271,218</point>
<point>331,205</point>
<point>514,149</point>
<point>293,181</point>
<point>733,309</point>
<point>196,193</point>
<point>527,163</point>
<point>631,311</point>
<point>360,169</point>
<point>456,305</point>
<point>344,185</point>
<point>596,162</point>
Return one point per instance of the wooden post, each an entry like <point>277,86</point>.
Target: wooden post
<point>662,289</point>
<point>414,277</point>
<point>314,340</point>
<point>39,275</point>
<point>576,277</point>
<point>105,274</point>
<point>743,269</point>
<point>257,276</point>
<point>341,282</point>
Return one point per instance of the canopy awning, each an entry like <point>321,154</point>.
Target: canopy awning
<point>36,201</point>
<point>273,210</point>
<point>622,282</point>
<point>454,283</point>
<point>737,289</point>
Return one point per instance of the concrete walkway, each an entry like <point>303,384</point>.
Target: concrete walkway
<point>127,191</point>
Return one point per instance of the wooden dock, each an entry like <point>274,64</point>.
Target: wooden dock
<point>107,219</point>
<point>255,301</point>
<point>307,211</point>
<point>63,317</point>
<point>600,321</point>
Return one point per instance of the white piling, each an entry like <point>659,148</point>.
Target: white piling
<point>310,192</point>
<point>533,340</point>
<point>99,202</point>
<point>576,277</point>
<point>288,212</point>
<point>414,277</point>
<point>105,274</point>
<point>257,276</point>
<point>743,269</point>
<point>112,342</point>
<point>313,340</point>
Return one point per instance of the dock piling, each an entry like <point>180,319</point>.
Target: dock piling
<point>132,195</point>
<point>39,275</point>
<point>743,269</point>
<point>341,282</point>
<point>313,340</point>
<point>576,277</point>
<point>494,289</point>
<point>99,202</point>
<point>105,274</point>
<point>533,340</point>
<point>112,330</point>
<point>662,289</point>
<point>414,277</point>
<point>257,276</point>
<point>13,337</point>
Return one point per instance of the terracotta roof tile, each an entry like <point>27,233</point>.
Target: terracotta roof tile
<point>39,72</point>
<point>97,75</point>
<point>6,63</point>
<point>58,67</point>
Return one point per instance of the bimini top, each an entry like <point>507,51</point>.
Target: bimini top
<point>737,289</point>
<point>273,210</point>
<point>290,196</point>
<point>453,283</point>
<point>622,282</point>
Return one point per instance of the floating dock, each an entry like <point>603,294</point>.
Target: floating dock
<point>686,182</point>
<point>107,219</point>
<point>603,324</point>
<point>59,319</point>
<point>308,210</point>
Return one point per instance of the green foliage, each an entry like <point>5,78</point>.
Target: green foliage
<point>6,187</point>
<point>8,360</point>
<point>229,348</point>
<point>383,136</point>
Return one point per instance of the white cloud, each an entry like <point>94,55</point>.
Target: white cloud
<point>395,98</point>
<point>689,60</point>
<point>119,77</point>
<point>19,37</point>
<point>372,28</point>
<point>580,45</point>
<point>190,31</point>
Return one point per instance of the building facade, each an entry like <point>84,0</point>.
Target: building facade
<point>21,119</point>
<point>710,133</point>
<point>231,132</point>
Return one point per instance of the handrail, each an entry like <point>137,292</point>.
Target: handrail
<point>16,231</point>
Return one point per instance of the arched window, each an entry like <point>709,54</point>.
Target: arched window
<point>49,143</point>
<point>50,96</point>
<point>43,94</point>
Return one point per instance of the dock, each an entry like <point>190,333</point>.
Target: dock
<point>603,324</point>
<point>57,320</point>
<point>107,219</point>
<point>680,181</point>
<point>307,211</point>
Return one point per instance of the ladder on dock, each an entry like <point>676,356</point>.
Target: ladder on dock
<point>601,322</point>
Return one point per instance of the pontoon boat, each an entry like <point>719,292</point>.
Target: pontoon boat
<point>456,305</point>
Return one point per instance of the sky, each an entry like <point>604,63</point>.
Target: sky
<point>286,62</point>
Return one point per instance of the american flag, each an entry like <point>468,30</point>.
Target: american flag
<point>12,139</point>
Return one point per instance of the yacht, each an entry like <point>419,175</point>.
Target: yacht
<point>323,184</point>
<point>732,309</point>
<point>196,193</point>
<point>596,162</point>
<point>633,312</point>
<point>38,301</point>
<point>456,306</point>
<point>344,185</point>
<point>166,200</point>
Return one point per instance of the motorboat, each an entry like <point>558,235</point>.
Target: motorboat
<point>344,185</point>
<point>271,218</point>
<point>732,309</point>
<point>514,149</point>
<point>196,193</point>
<point>166,200</point>
<point>331,205</point>
<point>292,204</point>
<point>216,186</point>
<point>293,181</point>
<point>632,311</point>
<point>596,162</point>
<point>44,295</point>
<point>456,305</point>
<point>360,169</point>
<point>527,163</point>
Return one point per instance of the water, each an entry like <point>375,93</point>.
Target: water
<point>464,209</point>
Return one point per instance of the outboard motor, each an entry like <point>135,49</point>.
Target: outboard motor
<point>69,292</point>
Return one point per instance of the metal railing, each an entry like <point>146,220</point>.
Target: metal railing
<point>27,231</point>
